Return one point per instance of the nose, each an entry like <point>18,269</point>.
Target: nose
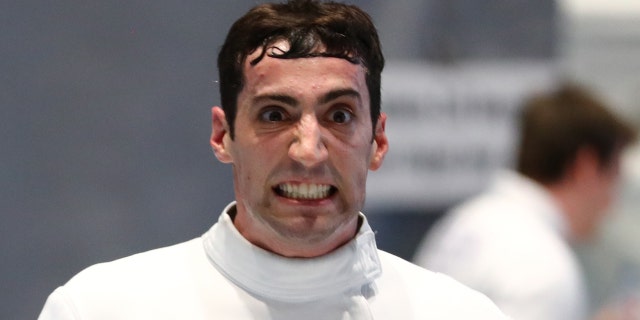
<point>308,146</point>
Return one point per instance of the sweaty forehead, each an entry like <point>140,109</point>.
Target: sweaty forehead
<point>309,73</point>
<point>303,80</point>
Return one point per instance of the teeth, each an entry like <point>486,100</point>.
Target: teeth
<point>305,191</point>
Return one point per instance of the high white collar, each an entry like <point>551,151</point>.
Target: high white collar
<point>350,267</point>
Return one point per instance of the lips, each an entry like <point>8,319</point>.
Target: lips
<point>305,191</point>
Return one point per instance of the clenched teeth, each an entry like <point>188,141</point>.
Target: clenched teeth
<point>304,191</point>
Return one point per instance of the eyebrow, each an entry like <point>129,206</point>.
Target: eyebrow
<point>335,94</point>
<point>328,97</point>
<point>276,97</point>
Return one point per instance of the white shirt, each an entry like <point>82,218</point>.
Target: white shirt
<point>510,244</point>
<point>223,276</point>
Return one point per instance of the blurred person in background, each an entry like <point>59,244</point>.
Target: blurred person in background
<point>301,126</point>
<point>513,241</point>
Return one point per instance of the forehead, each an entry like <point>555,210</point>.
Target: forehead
<point>305,75</point>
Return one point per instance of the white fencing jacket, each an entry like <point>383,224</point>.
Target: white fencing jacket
<point>222,276</point>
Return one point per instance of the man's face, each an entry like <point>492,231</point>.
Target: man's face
<point>302,149</point>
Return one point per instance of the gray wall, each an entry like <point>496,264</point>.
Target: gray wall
<point>104,115</point>
<point>104,119</point>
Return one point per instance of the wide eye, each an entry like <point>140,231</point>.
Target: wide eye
<point>273,115</point>
<point>340,116</point>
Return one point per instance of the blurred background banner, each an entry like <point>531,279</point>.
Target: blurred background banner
<point>105,121</point>
<point>451,127</point>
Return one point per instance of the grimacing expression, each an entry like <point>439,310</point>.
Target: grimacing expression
<point>302,149</point>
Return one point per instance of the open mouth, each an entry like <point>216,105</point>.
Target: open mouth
<point>305,191</point>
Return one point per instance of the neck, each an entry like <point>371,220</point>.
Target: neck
<point>570,205</point>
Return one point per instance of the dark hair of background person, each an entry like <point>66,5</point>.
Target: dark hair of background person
<point>339,31</point>
<point>557,125</point>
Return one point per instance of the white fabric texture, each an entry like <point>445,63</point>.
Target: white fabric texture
<point>223,276</point>
<point>510,243</point>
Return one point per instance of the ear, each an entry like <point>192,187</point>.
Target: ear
<point>380,144</point>
<point>585,169</point>
<point>586,163</point>
<point>220,135</point>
